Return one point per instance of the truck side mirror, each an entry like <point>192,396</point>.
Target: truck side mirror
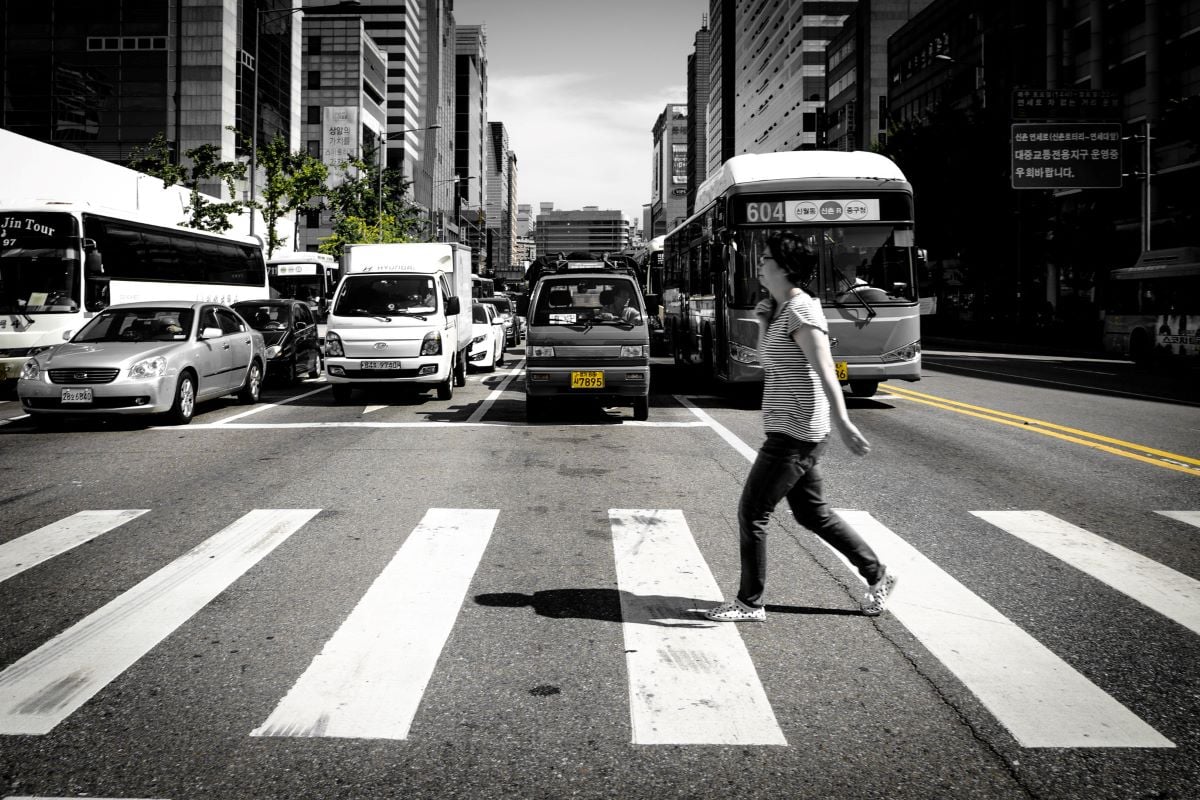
<point>453,306</point>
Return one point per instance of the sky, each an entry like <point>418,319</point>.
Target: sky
<point>578,85</point>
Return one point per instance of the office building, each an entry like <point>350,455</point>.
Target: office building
<point>470,136</point>
<point>698,68</point>
<point>500,211</point>
<point>588,229</point>
<point>669,169</point>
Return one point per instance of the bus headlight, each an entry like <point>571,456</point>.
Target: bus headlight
<point>30,371</point>
<point>431,345</point>
<point>333,345</point>
<point>743,354</point>
<point>906,353</point>
<point>149,368</point>
<point>633,351</point>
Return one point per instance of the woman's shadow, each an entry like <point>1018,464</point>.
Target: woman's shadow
<point>605,605</point>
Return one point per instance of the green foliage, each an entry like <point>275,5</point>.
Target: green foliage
<point>364,214</point>
<point>293,182</point>
<point>204,214</point>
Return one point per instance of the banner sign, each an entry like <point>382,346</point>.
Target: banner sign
<point>339,134</point>
<point>1064,155</point>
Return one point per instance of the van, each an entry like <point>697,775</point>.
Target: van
<point>587,336</point>
<point>401,315</point>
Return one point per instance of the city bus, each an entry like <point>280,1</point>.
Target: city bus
<point>854,212</point>
<point>311,277</point>
<point>1152,309</point>
<point>482,287</point>
<point>60,263</point>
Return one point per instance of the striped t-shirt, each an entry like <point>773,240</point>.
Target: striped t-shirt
<point>793,401</point>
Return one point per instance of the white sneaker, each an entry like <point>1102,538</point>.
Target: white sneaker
<point>736,611</point>
<point>878,594</point>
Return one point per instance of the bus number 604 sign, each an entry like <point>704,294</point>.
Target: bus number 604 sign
<point>816,210</point>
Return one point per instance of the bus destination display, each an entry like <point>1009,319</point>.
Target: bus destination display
<point>841,209</point>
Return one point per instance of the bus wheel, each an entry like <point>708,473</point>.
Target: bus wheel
<point>863,388</point>
<point>708,359</point>
<point>641,408</point>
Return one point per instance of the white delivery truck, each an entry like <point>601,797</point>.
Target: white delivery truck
<point>401,315</point>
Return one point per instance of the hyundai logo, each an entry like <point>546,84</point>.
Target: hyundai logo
<point>381,345</point>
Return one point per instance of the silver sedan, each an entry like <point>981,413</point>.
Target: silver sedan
<point>146,358</point>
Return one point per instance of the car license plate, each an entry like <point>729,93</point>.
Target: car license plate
<point>77,395</point>
<point>381,365</point>
<point>842,369</point>
<point>587,380</point>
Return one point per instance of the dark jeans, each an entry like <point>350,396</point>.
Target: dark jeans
<point>787,467</point>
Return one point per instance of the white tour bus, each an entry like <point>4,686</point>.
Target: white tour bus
<point>60,263</point>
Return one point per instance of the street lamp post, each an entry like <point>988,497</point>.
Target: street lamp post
<point>459,179</point>
<point>343,7</point>
<point>383,138</point>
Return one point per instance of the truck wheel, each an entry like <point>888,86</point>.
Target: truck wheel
<point>341,392</point>
<point>460,373</point>
<point>445,389</point>
<point>641,408</point>
<point>533,408</point>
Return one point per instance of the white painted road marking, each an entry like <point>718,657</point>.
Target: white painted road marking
<point>1190,517</point>
<point>368,680</point>
<point>1172,594</point>
<point>1038,697</point>
<point>33,548</point>
<point>477,416</point>
<point>691,681</point>
<point>45,687</point>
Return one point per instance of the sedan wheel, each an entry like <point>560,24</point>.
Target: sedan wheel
<point>250,390</point>
<point>185,401</point>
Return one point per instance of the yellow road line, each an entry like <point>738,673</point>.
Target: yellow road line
<point>1148,455</point>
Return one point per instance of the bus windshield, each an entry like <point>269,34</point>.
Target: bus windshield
<point>857,263</point>
<point>39,276</point>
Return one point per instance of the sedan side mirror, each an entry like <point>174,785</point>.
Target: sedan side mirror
<point>211,333</point>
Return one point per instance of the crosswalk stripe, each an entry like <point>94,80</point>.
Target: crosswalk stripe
<point>1170,593</point>
<point>691,681</point>
<point>368,680</point>
<point>33,548</point>
<point>42,689</point>
<point>1038,697</point>
<point>1190,517</point>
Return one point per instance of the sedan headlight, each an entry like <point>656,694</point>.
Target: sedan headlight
<point>149,368</point>
<point>272,351</point>
<point>539,351</point>
<point>633,351</point>
<point>906,353</point>
<point>31,371</point>
<point>479,338</point>
<point>333,345</point>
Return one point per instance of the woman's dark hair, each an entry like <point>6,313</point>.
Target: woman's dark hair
<point>793,257</point>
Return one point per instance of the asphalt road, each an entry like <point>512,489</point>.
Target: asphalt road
<point>286,611</point>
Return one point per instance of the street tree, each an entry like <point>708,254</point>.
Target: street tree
<point>295,181</point>
<point>362,213</point>
<point>206,167</point>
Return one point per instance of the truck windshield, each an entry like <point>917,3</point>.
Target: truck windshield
<point>370,295</point>
<point>588,300</point>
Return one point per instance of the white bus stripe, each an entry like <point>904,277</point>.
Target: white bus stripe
<point>368,680</point>
<point>1038,697</point>
<point>33,548</point>
<point>1172,594</point>
<point>1190,517</point>
<point>46,686</point>
<point>691,681</point>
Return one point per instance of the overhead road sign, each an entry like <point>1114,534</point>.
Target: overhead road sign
<point>1066,155</point>
<point>1066,105</point>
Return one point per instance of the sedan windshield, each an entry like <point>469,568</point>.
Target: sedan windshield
<point>265,316</point>
<point>137,325</point>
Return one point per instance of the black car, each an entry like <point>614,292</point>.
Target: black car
<point>290,334</point>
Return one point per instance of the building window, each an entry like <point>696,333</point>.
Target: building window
<point>312,219</point>
<point>314,79</point>
<point>314,45</point>
<point>314,147</point>
<point>810,122</point>
<point>314,115</point>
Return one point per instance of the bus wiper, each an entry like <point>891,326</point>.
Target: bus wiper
<point>870,309</point>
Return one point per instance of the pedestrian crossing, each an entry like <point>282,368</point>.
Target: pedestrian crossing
<point>690,681</point>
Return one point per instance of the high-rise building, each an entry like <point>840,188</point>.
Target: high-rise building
<point>589,229</point>
<point>470,136</point>
<point>698,68</point>
<point>500,213</point>
<point>668,182</point>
